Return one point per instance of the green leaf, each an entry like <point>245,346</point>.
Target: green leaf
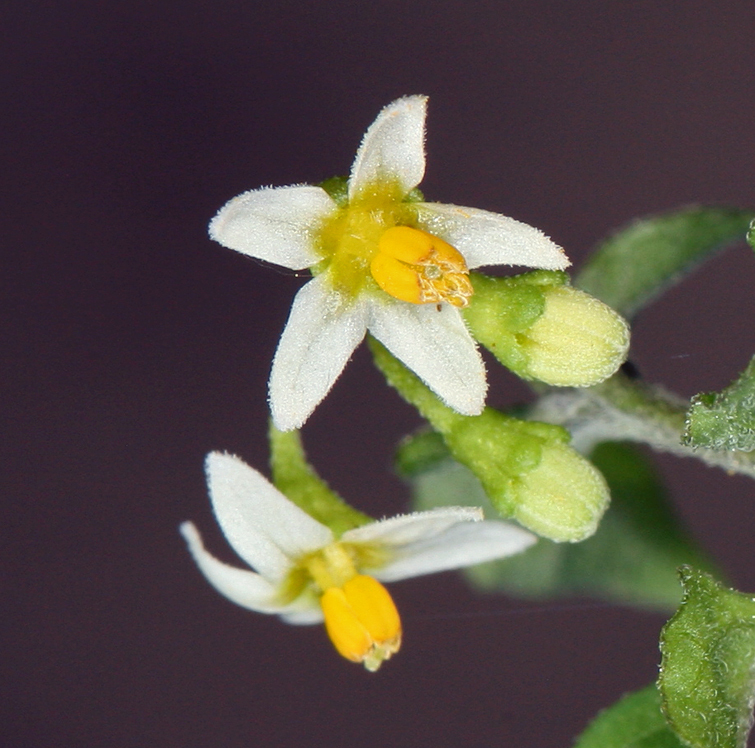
<point>642,259</point>
<point>724,420</point>
<point>751,234</point>
<point>707,683</point>
<point>631,559</point>
<point>634,721</point>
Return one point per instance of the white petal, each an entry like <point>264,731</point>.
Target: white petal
<point>261,524</point>
<point>486,238</point>
<point>245,588</point>
<point>322,332</point>
<point>393,148</point>
<point>460,545</point>
<point>411,528</point>
<point>435,344</point>
<point>277,225</point>
<point>305,617</point>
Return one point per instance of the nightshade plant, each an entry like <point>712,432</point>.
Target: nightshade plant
<point>384,261</point>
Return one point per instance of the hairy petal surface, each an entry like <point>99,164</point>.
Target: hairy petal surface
<point>486,238</point>
<point>435,344</point>
<point>260,523</point>
<point>245,588</point>
<point>322,332</point>
<point>393,148</point>
<point>458,546</point>
<point>307,616</point>
<point>410,528</point>
<point>274,224</point>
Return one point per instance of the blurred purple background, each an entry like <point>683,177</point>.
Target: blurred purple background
<point>133,345</point>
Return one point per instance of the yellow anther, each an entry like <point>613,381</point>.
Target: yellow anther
<point>414,266</point>
<point>362,621</point>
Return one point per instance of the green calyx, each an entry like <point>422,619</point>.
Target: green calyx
<point>296,479</point>
<point>502,310</point>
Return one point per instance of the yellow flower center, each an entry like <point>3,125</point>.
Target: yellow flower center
<point>372,241</point>
<point>360,616</point>
<point>418,267</point>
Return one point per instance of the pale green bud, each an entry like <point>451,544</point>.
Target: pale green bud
<point>541,328</point>
<point>563,498</point>
<point>531,474</point>
<point>578,341</point>
<point>527,469</point>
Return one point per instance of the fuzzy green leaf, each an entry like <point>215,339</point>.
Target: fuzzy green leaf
<point>707,683</point>
<point>631,559</point>
<point>751,234</point>
<point>634,721</point>
<point>724,420</point>
<point>642,259</point>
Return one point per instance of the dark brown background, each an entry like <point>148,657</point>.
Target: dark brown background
<point>132,345</point>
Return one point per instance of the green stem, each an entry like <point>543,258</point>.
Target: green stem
<point>622,409</point>
<point>294,477</point>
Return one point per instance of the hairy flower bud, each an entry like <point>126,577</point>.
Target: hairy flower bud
<point>563,498</point>
<point>578,341</point>
<point>541,328</point>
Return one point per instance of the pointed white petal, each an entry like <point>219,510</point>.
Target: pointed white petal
<point>245,588</point>
<point>411,528</point>
<point>393,148</point>
<point>260,523</point>
<point>322,332</point>
<point>307,616</point>
<point>459,546</point>
<point>436,346</point>
<point>486,238</point>
<point>276,225</point>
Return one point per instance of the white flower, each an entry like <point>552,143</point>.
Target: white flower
<point>305,574</point>
<point>405,287</point>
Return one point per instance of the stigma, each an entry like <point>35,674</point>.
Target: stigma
<point>412,265</point>
<point>362,621</point>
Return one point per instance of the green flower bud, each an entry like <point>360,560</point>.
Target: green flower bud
<point>577,342</point>
<point>526,468</point>
<point>531,474</point>
<point>563,498</point>
<point>541,328</point>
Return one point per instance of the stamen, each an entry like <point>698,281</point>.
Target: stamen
<point>414,266</point>
<point>362,621</point>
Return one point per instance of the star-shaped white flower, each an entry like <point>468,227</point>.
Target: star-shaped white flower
<point>305,574</point>
<point>405,287</point>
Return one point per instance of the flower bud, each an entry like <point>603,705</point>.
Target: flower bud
<point>531,474</point>
<point>563,498</point>
<point>541,328</point>
<point>578,341</point>
<point>527,469</point>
